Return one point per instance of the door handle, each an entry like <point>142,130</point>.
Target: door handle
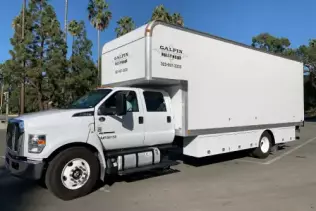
<point>141,120</point>
<point>101,119</point>
<point>168,119</point>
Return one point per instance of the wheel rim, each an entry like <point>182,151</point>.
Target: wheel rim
<point>75,174</point>
<point>264,144</point>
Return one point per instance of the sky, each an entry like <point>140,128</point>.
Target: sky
<point>237,20</point>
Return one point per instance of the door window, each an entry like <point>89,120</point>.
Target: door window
<point>131,103</point>
<point>154,101</point>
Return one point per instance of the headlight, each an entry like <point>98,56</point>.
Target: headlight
<point>21,126</point>
<point>37,143</point>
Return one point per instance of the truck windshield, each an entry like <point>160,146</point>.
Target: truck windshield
<point>90,100</point>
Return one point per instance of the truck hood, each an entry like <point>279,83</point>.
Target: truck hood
<point>51,117</point>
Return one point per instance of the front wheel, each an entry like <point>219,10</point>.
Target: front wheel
<point>264,148</point>
<point>72,173</point>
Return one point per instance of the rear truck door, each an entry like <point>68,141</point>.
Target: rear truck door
<point>158,118</point>
<point>115,131</point>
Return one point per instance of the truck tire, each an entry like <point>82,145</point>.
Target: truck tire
<point>73,173</point>
<point>264,147</point>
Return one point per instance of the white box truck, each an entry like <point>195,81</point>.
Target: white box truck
<point>164,87</point>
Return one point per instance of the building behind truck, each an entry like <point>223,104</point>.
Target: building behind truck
<point>164,87</point>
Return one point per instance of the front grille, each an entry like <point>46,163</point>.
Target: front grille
<point>14,136</point>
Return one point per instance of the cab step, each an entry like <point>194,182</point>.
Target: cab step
<point>163,164</point>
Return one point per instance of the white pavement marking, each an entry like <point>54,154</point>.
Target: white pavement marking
<point>290,151</point>
<point>249,161</point>
<point>105,189</point>
<point>280,156</point>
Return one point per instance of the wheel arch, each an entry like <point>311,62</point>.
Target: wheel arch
<point>77,144</point>
<point>271,134</point>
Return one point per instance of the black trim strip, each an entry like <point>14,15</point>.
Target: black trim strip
<point>102,133</point>
<point>153,156</point>
<point>83,114</point>
<point>137,159</point>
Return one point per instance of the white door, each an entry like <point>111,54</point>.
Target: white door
<point>158,118</point>
<point>125,131</point>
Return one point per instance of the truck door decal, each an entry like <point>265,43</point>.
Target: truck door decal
<point>171,53</point>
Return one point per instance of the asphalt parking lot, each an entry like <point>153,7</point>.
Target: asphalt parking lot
<point>284,181</point>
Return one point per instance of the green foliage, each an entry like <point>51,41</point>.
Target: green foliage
<point>48,51</point>
<point>99,14</point>
<point>83,72</point>
<point>125,25</point>
<point>40,60</point>
<point>74,28</point>
<point>161,14</point>
<point>307,55</point>
<point>267,42</point>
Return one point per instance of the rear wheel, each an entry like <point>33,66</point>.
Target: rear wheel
<point>264,147</point>
<point>72,173</point>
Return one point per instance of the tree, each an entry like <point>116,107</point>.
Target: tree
<point>177,19</point>
<point>83,73</point>
<point>15,69</point>
<point>161,14</point>
<point>74,29</point>
<point>43,52</point>
<point>269,43</point>
<point>307,54</point>
<point>125,25</point>
<point>99,16</point>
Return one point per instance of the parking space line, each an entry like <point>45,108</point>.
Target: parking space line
<point>249,161</point>
<point>290,151</point>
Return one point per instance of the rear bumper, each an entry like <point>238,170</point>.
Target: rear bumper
<point>21,167</point>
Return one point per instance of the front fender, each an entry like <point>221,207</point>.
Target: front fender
<point>94,140</point>
<point>91,139</point>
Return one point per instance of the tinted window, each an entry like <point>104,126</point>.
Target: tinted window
<point>154,101</point>
<point>131,104</point>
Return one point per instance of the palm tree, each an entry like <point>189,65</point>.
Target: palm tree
<point>125,25</point>
<point>177,19</point>
<point>74,29</point>
<point>161,14</point>
<point>99,17</point>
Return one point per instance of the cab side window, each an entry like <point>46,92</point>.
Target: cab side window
<point>131,104</point>
<point>155,101</point>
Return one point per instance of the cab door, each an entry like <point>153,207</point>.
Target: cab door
<point>125,131</point>
<point>158,118</point>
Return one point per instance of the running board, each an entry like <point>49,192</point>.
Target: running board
<point>163,164</point>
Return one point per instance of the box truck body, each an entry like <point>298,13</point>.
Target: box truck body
<point>164,88</point>
<point>216,86</point>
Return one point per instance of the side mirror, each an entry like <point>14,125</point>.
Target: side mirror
<point>121,108</point>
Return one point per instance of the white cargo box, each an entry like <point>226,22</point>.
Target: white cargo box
<point>215,84</point>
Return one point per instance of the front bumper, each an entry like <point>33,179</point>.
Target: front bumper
<point>24,168</point>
